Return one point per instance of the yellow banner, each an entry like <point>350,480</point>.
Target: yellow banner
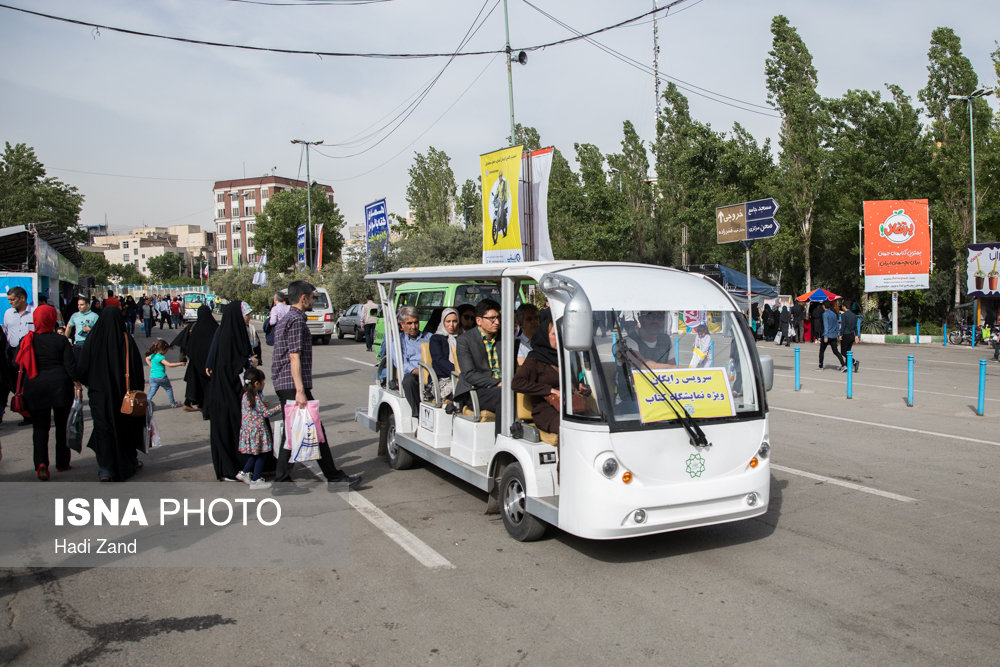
<point>501,173</point>
<point>702,393</point>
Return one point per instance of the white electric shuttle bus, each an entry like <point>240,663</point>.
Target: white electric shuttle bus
<point>672,428</point>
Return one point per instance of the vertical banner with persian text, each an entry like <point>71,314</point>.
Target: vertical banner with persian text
<point>301,244</point>
<point>501,173</point>
<point>376,231</point>
<point>897,245</point>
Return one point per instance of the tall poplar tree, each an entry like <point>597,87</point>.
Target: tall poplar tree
<point>791,90</point>
<point>431,193</point>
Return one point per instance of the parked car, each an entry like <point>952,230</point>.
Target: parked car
<point>350,322</point>
<point>320,319</point>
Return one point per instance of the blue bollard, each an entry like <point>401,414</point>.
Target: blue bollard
<point>798,379</point>
<point>973,331</point>
<point>982,387</point>
<point>850,374</point>
<point>945,344</point>
<point>918,333</point>
<point>909,380</point>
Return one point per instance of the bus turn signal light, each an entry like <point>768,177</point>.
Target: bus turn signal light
<point>753,462</point>
<point>627,477</point>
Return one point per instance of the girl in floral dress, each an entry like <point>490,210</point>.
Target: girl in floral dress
<point>254,440</point>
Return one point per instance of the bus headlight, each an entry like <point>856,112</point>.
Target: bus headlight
<point>609,467</point>
<point>753,499</point>
<point>639,516</point>
<point>765,448</point>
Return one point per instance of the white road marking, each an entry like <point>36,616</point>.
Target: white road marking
<point>358,361</point>
<point>881,386</point>
<point>848,485</point>
<point>395,532</point>
<point>889,426</point>
<point>410,543</point>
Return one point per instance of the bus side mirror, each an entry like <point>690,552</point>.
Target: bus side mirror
<point>767,368</point>
<point>577,331</point>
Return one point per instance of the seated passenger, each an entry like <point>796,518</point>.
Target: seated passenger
<point>410,341</point>
<point>478,352</point>
<point>443,343</point>
<point>527,320</point>
<point>538,376</point>
<point>466,317</point>
<point>651,345</point>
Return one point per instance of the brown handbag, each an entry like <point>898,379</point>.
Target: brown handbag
<point>134,401</point>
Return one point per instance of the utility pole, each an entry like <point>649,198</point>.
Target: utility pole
<point>309,233</point>
<point>656,69</point>
<point>510,81</point>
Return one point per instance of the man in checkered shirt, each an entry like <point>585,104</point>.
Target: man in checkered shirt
<point>291,374</point>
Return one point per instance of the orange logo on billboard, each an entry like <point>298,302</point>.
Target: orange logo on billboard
<point>897,228</point>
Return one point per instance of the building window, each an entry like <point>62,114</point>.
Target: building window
<point>220,198</point>
<point>144,255</point>
<point>222,244</point>
<point>235,212</point>
<point>237,243</point>
<point>263,193</point>
<point>221,213</point>
<point>236,227</point>
<point>252,259</point>
<point>136,263</point>
<point>125,245</point>
<point>222,228</point>
<point>248,210</point>
<point>126,257</point>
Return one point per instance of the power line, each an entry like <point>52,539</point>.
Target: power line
<point>689,87</point>
<point>335,54</point>
<point>403,115</point>
<point>144,178</point>
<point>429,127</point>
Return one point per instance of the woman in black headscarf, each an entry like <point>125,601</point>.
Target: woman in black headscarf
<point>232,356</point>
<point>116,438</point>
<point>538,376</point>
<point>194,341</point>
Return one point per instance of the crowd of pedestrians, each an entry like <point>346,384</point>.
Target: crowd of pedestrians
<point>48,366</point>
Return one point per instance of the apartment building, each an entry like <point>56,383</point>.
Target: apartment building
<point>237,202</point>
<point>141,244</point>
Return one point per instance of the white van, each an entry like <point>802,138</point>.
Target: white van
<point>660,444</point>
<point>320,319</point>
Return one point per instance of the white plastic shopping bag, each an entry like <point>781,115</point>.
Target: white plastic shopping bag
<point>303,437</point>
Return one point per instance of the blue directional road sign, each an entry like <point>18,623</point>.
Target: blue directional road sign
<point>760,219</point>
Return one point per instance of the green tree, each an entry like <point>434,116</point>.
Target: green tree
<point>951,73</point>
<point>277,227</point>
<point>630,174</point>
<point>236,283</point>
<point>470,204</point>
<point>349,286</point>
<point>431,192</point>
<point>125,274</point>
<point>165,266</point>
<point>95,264</point>
<point>439,245</point>
<point>791,86</point>
<point>27,195</point>
<point>566,203</point>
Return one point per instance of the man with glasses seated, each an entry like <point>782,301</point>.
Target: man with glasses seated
<point>478,352</point>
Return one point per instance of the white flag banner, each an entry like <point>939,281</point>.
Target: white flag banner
<point>534,210</point>
<point>260,275</point>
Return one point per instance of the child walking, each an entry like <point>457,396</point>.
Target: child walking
<point>157,360</point>
<point>253,435</point>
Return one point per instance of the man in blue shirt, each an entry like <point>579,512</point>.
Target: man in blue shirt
<point>410,341</point>
<point>831,334</point>
<point>81,322</point>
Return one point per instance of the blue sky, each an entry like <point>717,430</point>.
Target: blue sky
<point>102,108</point>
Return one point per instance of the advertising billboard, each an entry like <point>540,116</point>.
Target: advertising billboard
<point>501,173</point>
<point>981,270</point>
<point>897,245</point>
<point>376,230</point>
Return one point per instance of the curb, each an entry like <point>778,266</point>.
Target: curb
<point>889,339</point>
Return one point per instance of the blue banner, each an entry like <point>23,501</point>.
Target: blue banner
<point>376,230</point>
<point>302,245</point>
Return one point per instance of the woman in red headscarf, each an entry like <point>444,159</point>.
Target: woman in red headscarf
<point>49,368</point>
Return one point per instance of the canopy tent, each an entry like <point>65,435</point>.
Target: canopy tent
<point>735,283</point>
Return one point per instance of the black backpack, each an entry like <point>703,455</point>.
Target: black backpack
<point>268,331</point>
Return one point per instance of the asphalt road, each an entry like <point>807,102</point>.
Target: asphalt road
<point>879,547</point>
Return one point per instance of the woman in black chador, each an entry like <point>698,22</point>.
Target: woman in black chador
<point>115,438</point>
<point>231,356</point>
<point>194,341</point>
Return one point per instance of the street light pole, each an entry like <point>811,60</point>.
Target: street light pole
<point>510,81</point>
<point>981,92</point>
<point>309,233</point>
